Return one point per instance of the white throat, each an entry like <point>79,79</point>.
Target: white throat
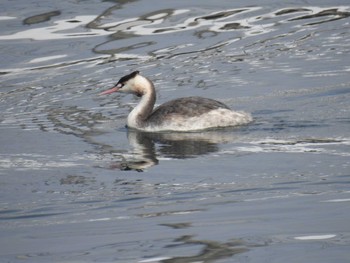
<point>138,116</point>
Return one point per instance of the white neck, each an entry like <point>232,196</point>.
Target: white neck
<point>138,116</point>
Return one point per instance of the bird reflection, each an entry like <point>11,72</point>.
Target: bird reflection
<point>147,148</point>
<point>211,251</point>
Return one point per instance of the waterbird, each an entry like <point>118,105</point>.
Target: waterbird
<point>182,114</point>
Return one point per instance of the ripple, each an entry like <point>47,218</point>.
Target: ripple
<point>285,63</point>
<point>27,162</point>
<point>209,44</point>
<point>327,15</point>
<point>331,146</point>
<point>62,29</point>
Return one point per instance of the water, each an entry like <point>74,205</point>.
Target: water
<point>76,186</point>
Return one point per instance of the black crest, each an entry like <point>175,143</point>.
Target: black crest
<point>128,77</point>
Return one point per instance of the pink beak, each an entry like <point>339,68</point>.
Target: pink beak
<point>109,91</point>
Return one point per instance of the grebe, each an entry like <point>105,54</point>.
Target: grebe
<point>183,114</point>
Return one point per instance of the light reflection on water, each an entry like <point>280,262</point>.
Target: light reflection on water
<point>241,193</point>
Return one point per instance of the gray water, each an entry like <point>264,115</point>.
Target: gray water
<point>76,186</point>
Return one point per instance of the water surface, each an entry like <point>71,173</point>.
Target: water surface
<point>76,186</point>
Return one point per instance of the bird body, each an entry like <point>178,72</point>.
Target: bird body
<point>182,114</point>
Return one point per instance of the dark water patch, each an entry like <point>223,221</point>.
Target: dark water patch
<point>291,10</point>
<point>344,176</point>
<point>29,216</point>
<point>182,193</point>
<point>333,14</point>
<point>178,225</point>
<point>283,189</point>
<point>306,141</point>
<point>234,26</point>
<point>222,14</point>
<point>67,64</point>
<point>73,21</point>
<point>291,183</point>
<point>88,202</point>
<point>330,182</point>
<point>163,30</point>
<point>211,251</point>
<point>187,149</point>
<point>271,111</point>
<point>254,190</point>
<point>305,124</point>
<point>9,211</point>
<point>169,213</point>
<point>117,204</point>
<point>299,124</point>
<point>41,18</point>
<point>118,46</point>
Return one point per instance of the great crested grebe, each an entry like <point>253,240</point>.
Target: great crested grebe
<point>183,114</point>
